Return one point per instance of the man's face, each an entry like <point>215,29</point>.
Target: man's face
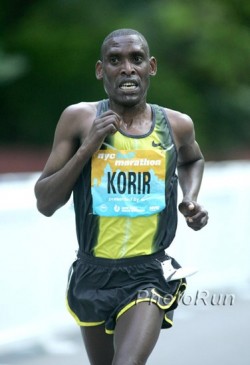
<point>126,69</point>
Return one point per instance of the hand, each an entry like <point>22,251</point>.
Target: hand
<point>105,124</point>
<point>196,216</point>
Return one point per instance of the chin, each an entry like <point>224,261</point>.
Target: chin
<point>129,100</point>
<point>129,103</point>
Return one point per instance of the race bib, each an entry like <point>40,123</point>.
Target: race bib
<point>128,183</point>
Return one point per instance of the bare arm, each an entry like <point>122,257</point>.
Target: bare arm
<point>190,168</point>
<point>190,163</point>
<point>67,159</point>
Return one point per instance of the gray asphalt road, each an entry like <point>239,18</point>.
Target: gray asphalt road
<point>201,335</point>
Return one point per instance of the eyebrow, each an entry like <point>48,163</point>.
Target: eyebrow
<point>116,52</point>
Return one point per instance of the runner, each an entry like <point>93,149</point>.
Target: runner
<point>120,157</point>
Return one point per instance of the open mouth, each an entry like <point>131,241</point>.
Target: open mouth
<point>128,85</point>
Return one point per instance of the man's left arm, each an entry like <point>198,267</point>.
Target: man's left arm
<point>190,168</point>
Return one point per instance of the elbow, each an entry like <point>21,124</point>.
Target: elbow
<point>43,205</point>
<point>199,161</point>
<point>48,208</point>
<point>47,203</point>
<point>45,210</point>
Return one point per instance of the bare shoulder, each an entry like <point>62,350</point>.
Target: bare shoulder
<point>81,109</point>
<point>182,126</point>
<point>73,126</point>
<point>179,120</point>
<point>76,119</point>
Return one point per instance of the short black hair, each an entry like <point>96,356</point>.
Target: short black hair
<point>124,32</point>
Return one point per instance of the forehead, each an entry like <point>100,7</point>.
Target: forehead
<point>128,43</point>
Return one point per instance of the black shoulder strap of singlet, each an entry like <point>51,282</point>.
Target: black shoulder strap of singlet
<point>102,107</point>
<point>169,126</point>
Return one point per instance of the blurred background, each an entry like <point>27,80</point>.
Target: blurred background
<point>48,51</point>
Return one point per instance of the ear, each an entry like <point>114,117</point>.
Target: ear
<point>153,66</point>
<point>98,70</point>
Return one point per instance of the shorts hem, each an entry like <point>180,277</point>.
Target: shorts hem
<point>82,323</point>
<point>159,302</point>
<point>168,321</point>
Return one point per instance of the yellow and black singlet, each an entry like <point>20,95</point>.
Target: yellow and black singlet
<point>126,196</point>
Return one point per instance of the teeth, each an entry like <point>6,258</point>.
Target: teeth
<point>128,85</point>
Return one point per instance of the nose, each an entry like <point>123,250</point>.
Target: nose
<point>127,68</point>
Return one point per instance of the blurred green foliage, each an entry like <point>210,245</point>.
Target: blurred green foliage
<point>48,51</point>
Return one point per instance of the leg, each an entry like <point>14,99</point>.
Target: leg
<point>98,344</point>
<point>136,334</point>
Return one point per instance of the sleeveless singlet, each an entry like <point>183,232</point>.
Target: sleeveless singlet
<point>126,196</point>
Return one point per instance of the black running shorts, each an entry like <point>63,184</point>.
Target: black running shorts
<point>100,290</point>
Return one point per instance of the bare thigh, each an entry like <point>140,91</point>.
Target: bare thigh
<point>98,344</point>
<point>136,334</point>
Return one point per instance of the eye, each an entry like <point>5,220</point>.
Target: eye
<point>138,59</point>
<point>113,60</point>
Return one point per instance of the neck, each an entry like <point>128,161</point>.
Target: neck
<point>135,120</point>
<point>132,115</point>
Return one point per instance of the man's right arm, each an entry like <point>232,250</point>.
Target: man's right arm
<point>67,159</point>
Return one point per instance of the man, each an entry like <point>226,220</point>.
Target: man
<point>119,158</point>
